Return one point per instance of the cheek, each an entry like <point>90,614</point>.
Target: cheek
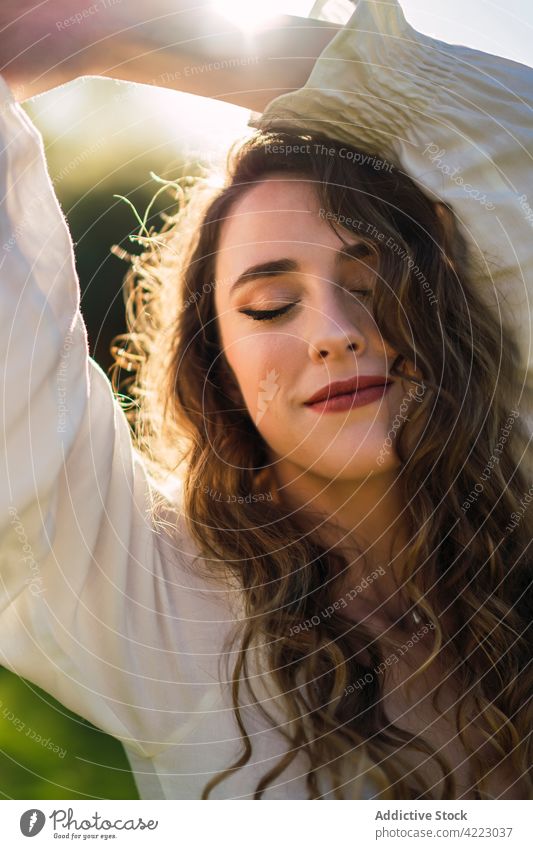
<point>262,364</point>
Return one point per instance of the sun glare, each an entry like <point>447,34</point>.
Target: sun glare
<point>249,16</point>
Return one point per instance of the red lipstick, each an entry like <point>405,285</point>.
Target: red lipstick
<point>342,395</point>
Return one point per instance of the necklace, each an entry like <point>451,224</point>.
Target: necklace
<point>413,617</point>
<point>416,616</point>
<point>419,618</point>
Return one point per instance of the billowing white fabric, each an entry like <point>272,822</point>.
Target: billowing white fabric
<point>456,120</point>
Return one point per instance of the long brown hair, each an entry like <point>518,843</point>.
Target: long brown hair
<point>462,475</point>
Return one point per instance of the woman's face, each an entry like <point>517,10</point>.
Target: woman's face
<point>278,237</point>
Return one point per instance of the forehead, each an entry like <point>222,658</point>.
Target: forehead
<point>273,203</point>
<point>278,214</point>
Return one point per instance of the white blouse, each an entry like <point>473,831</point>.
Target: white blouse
<point>97,605</point>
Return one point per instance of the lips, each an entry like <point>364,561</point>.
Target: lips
<point>347,387</point>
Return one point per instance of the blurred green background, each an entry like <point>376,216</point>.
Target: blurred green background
<point>102,137</point>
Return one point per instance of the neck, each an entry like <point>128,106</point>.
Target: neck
<point>361,519</point>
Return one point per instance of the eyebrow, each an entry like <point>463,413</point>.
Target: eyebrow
<point>278,267</point>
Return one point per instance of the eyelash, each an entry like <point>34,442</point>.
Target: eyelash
<point>266,315</point>
<point>271,315</point>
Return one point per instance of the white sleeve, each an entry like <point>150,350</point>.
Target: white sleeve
<point>86,607</point>
<point>457,120</point>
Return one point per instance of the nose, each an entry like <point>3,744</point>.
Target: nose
<point>334,335</point>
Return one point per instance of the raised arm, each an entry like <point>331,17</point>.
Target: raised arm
<point>160,43</point>
<point>96,606</point>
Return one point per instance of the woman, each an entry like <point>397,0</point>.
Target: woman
<point>246,618</point>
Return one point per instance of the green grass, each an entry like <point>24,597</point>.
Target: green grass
<point>47,752</point>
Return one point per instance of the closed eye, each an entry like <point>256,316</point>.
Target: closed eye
<point>362,292</point>
<point>269,315</point>
<point>266,315</point>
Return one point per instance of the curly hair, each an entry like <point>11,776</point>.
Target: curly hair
<point>462,473</point>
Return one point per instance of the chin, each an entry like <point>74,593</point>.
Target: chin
<point>335,466</point>
<point>334,457</point>
<point>356,471</point>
